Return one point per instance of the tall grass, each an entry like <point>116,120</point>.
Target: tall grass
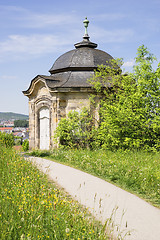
<point>33,208</point>
<point>138,172</point>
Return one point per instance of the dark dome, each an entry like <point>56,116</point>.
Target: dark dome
<point>80,59</point>
<point>74,68</point>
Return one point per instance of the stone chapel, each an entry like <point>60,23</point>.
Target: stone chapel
<point>66,88</point>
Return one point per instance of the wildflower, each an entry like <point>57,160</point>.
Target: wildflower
<point>67,230</point>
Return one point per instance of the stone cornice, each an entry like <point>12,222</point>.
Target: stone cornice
<point>34,82</point>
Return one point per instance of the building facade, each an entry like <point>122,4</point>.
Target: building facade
<point>66,88</point>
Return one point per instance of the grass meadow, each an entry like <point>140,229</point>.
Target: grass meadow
<point>135,171</point>
<point>33,208</point>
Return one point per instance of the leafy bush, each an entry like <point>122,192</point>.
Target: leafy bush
<point>25,145</point>
<point>6,139</point>
<point>18,140</point>
<point>130,111</point>
<point>76,130</point>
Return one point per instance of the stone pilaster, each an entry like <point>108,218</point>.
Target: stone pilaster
<point>31,125</point>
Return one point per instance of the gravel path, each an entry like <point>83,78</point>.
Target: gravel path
<point>129,213</point>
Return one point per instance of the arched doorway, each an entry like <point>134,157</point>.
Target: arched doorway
<point>44,129</point>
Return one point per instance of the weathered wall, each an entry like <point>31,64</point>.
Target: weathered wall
<point>59,105</point>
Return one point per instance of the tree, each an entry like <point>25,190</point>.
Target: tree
<point>130,111</point>
<point>21,123</point>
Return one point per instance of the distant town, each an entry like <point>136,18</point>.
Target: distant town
<point>17,125</point>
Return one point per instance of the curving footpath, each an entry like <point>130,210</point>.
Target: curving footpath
<point>134,218</point>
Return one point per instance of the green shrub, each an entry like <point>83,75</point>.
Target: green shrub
<point>25,145</point>
<point>77,130</point>
<point>130,112</point>
<point>6,139</point>
<point>18,140</point>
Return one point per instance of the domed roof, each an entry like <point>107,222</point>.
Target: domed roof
<point>80,59</point>
<point>73,69</point>
<point>83,58</point>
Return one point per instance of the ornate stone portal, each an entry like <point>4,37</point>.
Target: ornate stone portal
<point>67,88</point>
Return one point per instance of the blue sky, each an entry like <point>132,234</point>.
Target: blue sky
<point>34,33</point>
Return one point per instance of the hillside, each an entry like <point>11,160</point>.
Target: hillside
<point>11,115</point>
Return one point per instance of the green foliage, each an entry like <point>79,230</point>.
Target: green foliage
<point>21,123</point>
<point>76,130</point>
<point>6,139</point>
<point>130,112</point>
<point>25,145</point>
<point>136,171</point>
<point>40,153</point>
<point>33,208</point>
<point>17,140</point>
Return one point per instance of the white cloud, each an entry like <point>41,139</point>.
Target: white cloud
<point>11,8</point>
<point>19,46</point>
<point>114,35</point>
<point>43,20</point>
<point>34,45</point>
<point>33,19</point>
<point>129,63</point>
<point>29,19</point>
<point>109,17</point>
<point>67,28</point>
<point>128,66</point>
<point>8,77</point>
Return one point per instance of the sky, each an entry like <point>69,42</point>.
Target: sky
<point>34,33</point>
